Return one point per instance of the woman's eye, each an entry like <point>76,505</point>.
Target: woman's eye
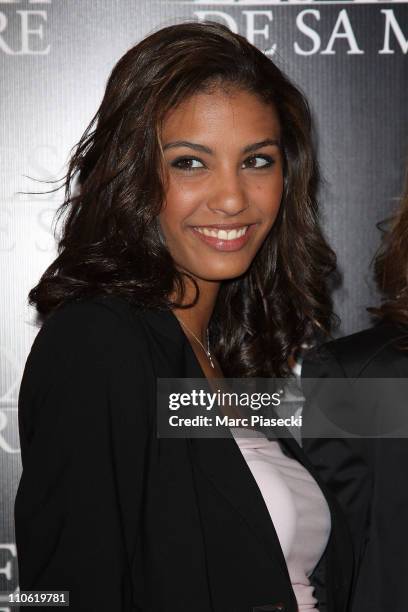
<point>259,161</point>
<point>187,163</point>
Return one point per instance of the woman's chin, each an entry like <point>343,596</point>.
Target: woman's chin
<point>218,275</point>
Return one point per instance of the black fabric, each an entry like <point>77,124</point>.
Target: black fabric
<point>127,521</point>
<point>367,475</point>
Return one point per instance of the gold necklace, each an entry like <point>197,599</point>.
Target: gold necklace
<point>206,351</point>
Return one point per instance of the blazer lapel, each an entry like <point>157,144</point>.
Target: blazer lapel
<point>222,462</point>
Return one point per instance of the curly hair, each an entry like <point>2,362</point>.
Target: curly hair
<point>391,266</point>
<point>111,242</point>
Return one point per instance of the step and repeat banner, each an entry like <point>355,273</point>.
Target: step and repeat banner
<point>350,58</point>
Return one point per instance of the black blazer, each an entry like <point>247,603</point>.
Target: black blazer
<point>127,521</point>
<point>367,475</point>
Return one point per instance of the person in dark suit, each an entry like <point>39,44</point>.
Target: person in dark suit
<point>191,249</point>
<point>368,474</point>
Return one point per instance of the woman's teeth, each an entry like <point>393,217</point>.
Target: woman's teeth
<point>223,234</point>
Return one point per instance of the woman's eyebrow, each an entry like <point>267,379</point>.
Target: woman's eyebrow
<point>190,145</point>
<point>199,147</point>
<point>258,145</point>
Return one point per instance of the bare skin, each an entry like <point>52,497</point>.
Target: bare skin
<point>236,180</point>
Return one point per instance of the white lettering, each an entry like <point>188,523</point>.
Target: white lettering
<point>197,421</point>
<point>252,31</point>
<point>307,31</point>
<point>26,32</point>
<point>392,23</point>
<point>3,45</point>
<point>6,569</point>
<point>226,421</point>
<point>343,21</point>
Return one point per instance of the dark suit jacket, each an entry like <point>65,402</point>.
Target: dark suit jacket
<point>367,475</point>
<point>125,520</point>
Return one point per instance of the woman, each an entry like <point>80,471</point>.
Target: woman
<point>368,475</point>
<point>191,248</point>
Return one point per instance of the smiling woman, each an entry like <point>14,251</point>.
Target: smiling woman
<point>191,248</point>
<point>224,181</point>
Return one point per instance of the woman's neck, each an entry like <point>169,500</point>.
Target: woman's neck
<point>198,316</point>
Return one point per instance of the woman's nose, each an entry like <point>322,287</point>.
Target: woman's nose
<point>228,194</point>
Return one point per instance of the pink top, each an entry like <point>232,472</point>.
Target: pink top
<point>297,507</point>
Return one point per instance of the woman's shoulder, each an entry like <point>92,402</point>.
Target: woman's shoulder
<point>367,352</point>
<point>108,310</point>
<point>89,327</point>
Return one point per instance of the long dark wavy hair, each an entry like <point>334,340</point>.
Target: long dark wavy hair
<point>111,243</point>
<point>391,266</point>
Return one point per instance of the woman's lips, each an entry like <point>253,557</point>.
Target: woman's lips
<point>224,244</point>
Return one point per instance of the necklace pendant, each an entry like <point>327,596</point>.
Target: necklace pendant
<point>211,361</point>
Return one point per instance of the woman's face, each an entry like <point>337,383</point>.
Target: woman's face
<point>224,171</point>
